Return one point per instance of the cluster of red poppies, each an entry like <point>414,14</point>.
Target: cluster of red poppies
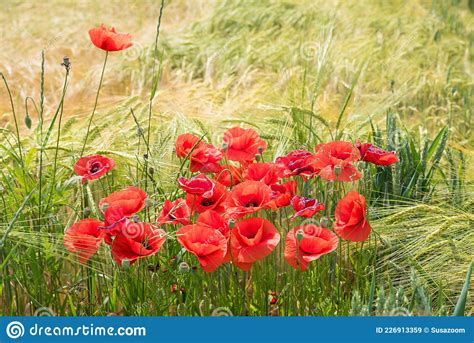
<point>217,219</point>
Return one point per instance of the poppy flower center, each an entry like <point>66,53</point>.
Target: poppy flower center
<point>95,167</point>
<point>206,202</point>
<point>251,203</point>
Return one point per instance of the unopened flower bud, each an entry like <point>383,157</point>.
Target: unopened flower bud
<point>337,170</point>
<point>125,264</point>
<point>104,206</point>
<point>184,267</point>
<point>324,222</point>
<point>225,146</point>
<point>135,219</point>
<point>87,211</point>
<point>66,63</point>
<point>28,121</point>
<point>258,158</point>
<point>299,234</point>
<point>231,223</point>
<point>151,170</point>
<point>260,150</point>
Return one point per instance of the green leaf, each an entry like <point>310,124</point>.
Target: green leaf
<point>461,304</point>
<point>436,142</point>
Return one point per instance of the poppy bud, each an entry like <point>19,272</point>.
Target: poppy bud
<point>174,288</point>
<point>258,158</point>
<point>225,146</point>
<point>104,206</point>
<point>135,218</point>
<point>184,267</point>
<point>273,300</point>
<point>145,156</point>
<point>337,170</point>
<point>148,203</point>
<point>299,234</point>
<point>231,223</point>
<point>140,131</point>
<point>260,150</point>
<point>324,222</point>
<point>86,211</point>
<point>125,264</point>
<point>66,63</point>
<point>28,121</point>
<point>151,170</point>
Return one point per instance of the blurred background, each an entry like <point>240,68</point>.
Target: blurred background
<point>226,59</point>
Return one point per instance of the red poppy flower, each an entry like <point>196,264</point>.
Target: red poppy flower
<point>252,239</point>
<point>243,145</point>
<point>334,160</point>
<point>268,173</point>
<point>176,212</point>
<point>137,240</point>
<point>247,197</point>
<point>371,153</point>
<point>282,193</point>
<point>315,242</point>
<point>93,167</point>
<point>109,39</point>
<point>297,162</point>
<point>207,244</point>
<point>199,184</point>
<point>229,175</point>
<point>305,207</point>
<point>84,238</point>
<point>131,200</point>
<point>114,221</point>
<point>351,222</point>
<point>197,203</point>
<point>205,159</point>
<point>186,143</point>
<point>214,220</point>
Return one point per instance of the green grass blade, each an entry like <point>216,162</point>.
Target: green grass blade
<point>461,304</point>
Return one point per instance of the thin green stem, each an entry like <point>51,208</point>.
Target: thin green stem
<point>55,162</point>
<point>15,120</point>
<point>95,104</point>
<point>40,125</point>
